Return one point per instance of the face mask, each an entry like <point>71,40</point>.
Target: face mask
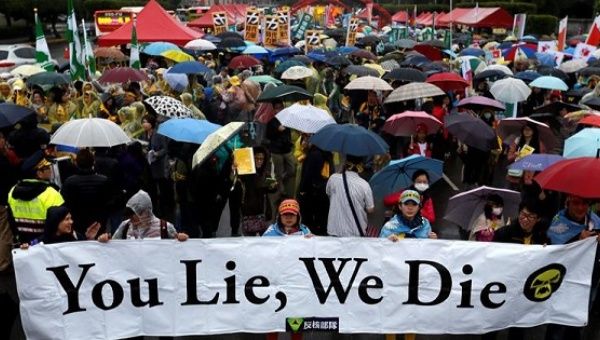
<point>497,211</point>
<point>487,115</point>
<point>421,186</point>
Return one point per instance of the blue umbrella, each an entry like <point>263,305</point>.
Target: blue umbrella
<point>11,114</point>
<point>550,83</point>
<point>212,38</point>
<point>317,56</point>
<point>189,67</point>
<point>255,49</point>
<point>569,50</point>
<point>177,81</point>
<point>287,64</point>
<point>349,139</point>
<point>285,51</point>
<point>156,48</point>
<point>397,175</point>
<point>475,52</point>
<point>535,162</point>
<point>527,76</point>
<point>188,130</point>
<point>347,49</point>
<point>585,143</point>
<point>545,58</point>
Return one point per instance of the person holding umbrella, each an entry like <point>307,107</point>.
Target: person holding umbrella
<point>527,143</point>
<point>419,145</point>
<point>421,182</point>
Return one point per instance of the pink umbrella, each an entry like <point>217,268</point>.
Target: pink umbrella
<point>479,102</point>
<point>405,123</point>
<point>510,128</point>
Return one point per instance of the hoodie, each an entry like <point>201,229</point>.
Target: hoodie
<point>148,225</point>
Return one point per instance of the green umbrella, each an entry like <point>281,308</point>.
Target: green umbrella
<point>265,80</point>
<point>287,64</point>
<point>284,92</point>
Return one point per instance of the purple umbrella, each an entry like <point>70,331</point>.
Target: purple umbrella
<point>480,102</point>
<point>535,162</point>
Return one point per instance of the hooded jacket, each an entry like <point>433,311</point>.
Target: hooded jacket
<point>148,225</point>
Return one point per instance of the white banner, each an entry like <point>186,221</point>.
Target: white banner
<point>89,290</point>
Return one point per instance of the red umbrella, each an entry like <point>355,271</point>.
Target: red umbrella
<point>429,51</point>
<point>511,128</point>
<point>405,123</point>
<point>243,61</point>
<point>448,81</point>
<point>591,120</point>
<point>122,75</point>
<point>364,54</point>
<point>577,176</point>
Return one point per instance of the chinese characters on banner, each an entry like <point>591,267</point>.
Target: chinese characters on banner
<point>270,31</point>
<point>252,24</point>
<point>351,34</point>
<point>312,40</point>
<point>283,27</point>
<point>303,24</point>
<point>219,22</point>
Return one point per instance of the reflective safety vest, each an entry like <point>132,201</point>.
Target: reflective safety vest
<point>30,216</point>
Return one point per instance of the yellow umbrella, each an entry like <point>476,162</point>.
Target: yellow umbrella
<point>27,70</point>
<point>376,67</point>
<point>177,56</point>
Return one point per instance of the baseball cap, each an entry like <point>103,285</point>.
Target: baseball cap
<point>410,195</point>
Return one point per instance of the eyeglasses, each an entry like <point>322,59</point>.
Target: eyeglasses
<point>528,216</point>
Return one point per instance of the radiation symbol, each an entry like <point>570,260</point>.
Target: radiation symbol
<point>544,282</point>
<point>295,323</point>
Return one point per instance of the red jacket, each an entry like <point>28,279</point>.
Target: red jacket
<point>413,149</point>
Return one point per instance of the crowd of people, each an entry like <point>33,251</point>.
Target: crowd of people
<point>149,188</point>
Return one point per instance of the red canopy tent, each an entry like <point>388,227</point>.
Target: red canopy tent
<point>236,13</point>
<point>424,19</point>
<point>401,16</point>
<point>153,24</point>
<point>486,17</point>
<point>452,16</point>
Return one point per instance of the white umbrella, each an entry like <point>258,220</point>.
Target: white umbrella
<point>510,90</point>
<point>90,133</point>
<point>369,83</point>
<point>214,141</point>
<point>27,70</point>
<point>200,45</point>
<point>297,72</point>
<point>572,65</point>
<point>304,118</point>
<point>499,67</point>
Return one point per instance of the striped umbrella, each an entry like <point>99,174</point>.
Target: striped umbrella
<point>389,65</point>
<point>414,91</point>
<point>368,83</point>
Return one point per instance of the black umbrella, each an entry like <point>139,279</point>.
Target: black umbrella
<point>284,92</point>
<point>231,43</point>
<point>229,34</point>
<point>11,114</point>
<point>49,78</point>
<point>417,60</point>
<point>368,40</point>
<point>406,74</point>
<point>490,74</point>
<point>405,43</point>
<point>212,38</point>
<point>435,67</point>
<point>590,70</point>
<point>547,118</point>
<point>338,33</point>
<point>472,131</point>
<point>593,103</point>
<point>551,71</point>
<point>575,95</point>
<point>338,61</point>
<point>527,76</point>
<point>556,107</point>
<point>394,55</point>
<point>360,71</point>
<point>435,43</point>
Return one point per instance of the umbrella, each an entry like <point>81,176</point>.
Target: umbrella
<point>511,127</point>
<point>589,71</point>
<point>591,120</point>
<point>360,71</point>
<point>110,53</point>
<point>376,67</point>
<point>406,74</point>
<point>283,51</point>
<point>231,43</point>
<point>338,61</point>
<point>529,38</point>
<point>389,65</point>
<point>212,38</point>
<point>490,74</point>
<point>214,141</point>
<point>405,123</point>
<point>157,48</point>
<point>448,81</point>
<point>535,162</point>
<point>527,76</point>
<point>572,65</point>
<point>413,91</point>
<point>89,133</point>
<point>518,51</point>
<point>510,90</point>
<point>27,70</point>
<point>229,35</point>
<point>255,49</point>
<point>304,60</point>
<point>464,208</point>
<point>472,51</point>
<point>397,175</point>
<point>349,139</point>
<point>546,58</point>
<point>11,114</point>
<point>551,71</point>
<point>363,54</point>
<point>297,72</point>
<point>243,61</point>
<point>200,45</point>
<point>479,102</point>
<point>435,43</point>
<point>263,79</point>
<point>368,40</point>
<point>429,51</point>
<point>168,107</point>
<point>585,143</point>
<point>418,61</point>
<point>577,176</point>
<point>187,130</point>
<point>190,67</point>
<point>575,95</point>
<point>49,78</point>
<point>405,43</point>
<point>593,103</point>
<point>304,118</point>
<point>549,83</point>
<point>284,92</point>
<point>503,68</point>
<point>368,83</point>
<point>556,107</point>
<point>177,56</point>
<point>287,64</point>
<point>177,81</point>
<point>472,131</point>
<point>122,75</point>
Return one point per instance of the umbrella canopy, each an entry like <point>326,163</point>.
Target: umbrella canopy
<point>518,51</point>
<point>479,103</point>
<point>200,45</point>
<point>189,67</point>
<point>304,60</point>
<point>11,114</point>
<point>255,49</point>
<point>577,176</point>
<point>263,79</point>
<point>590,71</point>
<point>550,83</point>
<point>177,81</point>
<point>405,123</point>
<point>122,75</point>
<point>492,75</point>
<point>397,175</point>
<point>448,81</point>
<point>464,208</point>
<point>243,61</point>
<point>503,68</point>
<point>389,65</point>
<point>231,43</point>
<point>285,51</point>
<point>157,48</point>
<point>168,107</point>
<point>364,54</point>
<point>417,61</point>
<point>556,107</point>
<point>110,53</point>
<point>472,131</point>
<point>360,71</point>
<point>527,76</point>
<point>349,139</point>
<point>572,65</point>
<point>585,143</point>
<point>27,70</point>
<point>297,72</point>
<point>510,90</point>
<point>376,67</point>
<point>591,120</point>
<point>304,118</point>
<point>187,130</point>
<point>49,79</point>
<point>229,34</point>
<point>369,83</point>
<point>593,103</point>
<point>432,53</point>
<point>472,51</point>
<point>90,133</point>
<point>287,64</point>
<point>284,92</point>
<point>510,128</point>
<point>551,71</point>
<point>406,74</point>
<point>338,61</point>
<point>405,43</point>
<point>414,91</point>
<point>535,162</point>
<point>214,141</point>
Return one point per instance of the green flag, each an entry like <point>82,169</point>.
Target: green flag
<point>76,67</point>
<point>134,55</point>
<point>89,60</point>
<point>447,42</point>
<point>42,52</point>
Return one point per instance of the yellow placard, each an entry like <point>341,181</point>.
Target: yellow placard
<point>219,22</point>
<point>351,34</point>
<point>526,150</point>
<point>283,27</point>
<point>271,33</point>
<point>312,40</point>
<point>244,161</point>
<point>252,23</point>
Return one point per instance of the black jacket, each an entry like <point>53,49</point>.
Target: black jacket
<point>513,233</point>
<point>280,142</point>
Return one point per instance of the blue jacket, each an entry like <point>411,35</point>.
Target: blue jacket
<point>395,226</point>
<point>275,230</point>
<point>562,230</point>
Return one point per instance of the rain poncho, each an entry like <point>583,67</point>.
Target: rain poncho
<point>562,230</point>
<point>147,226</point>
<point>129,122</point>
<point>90,109</point>
<point>398,226</point>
